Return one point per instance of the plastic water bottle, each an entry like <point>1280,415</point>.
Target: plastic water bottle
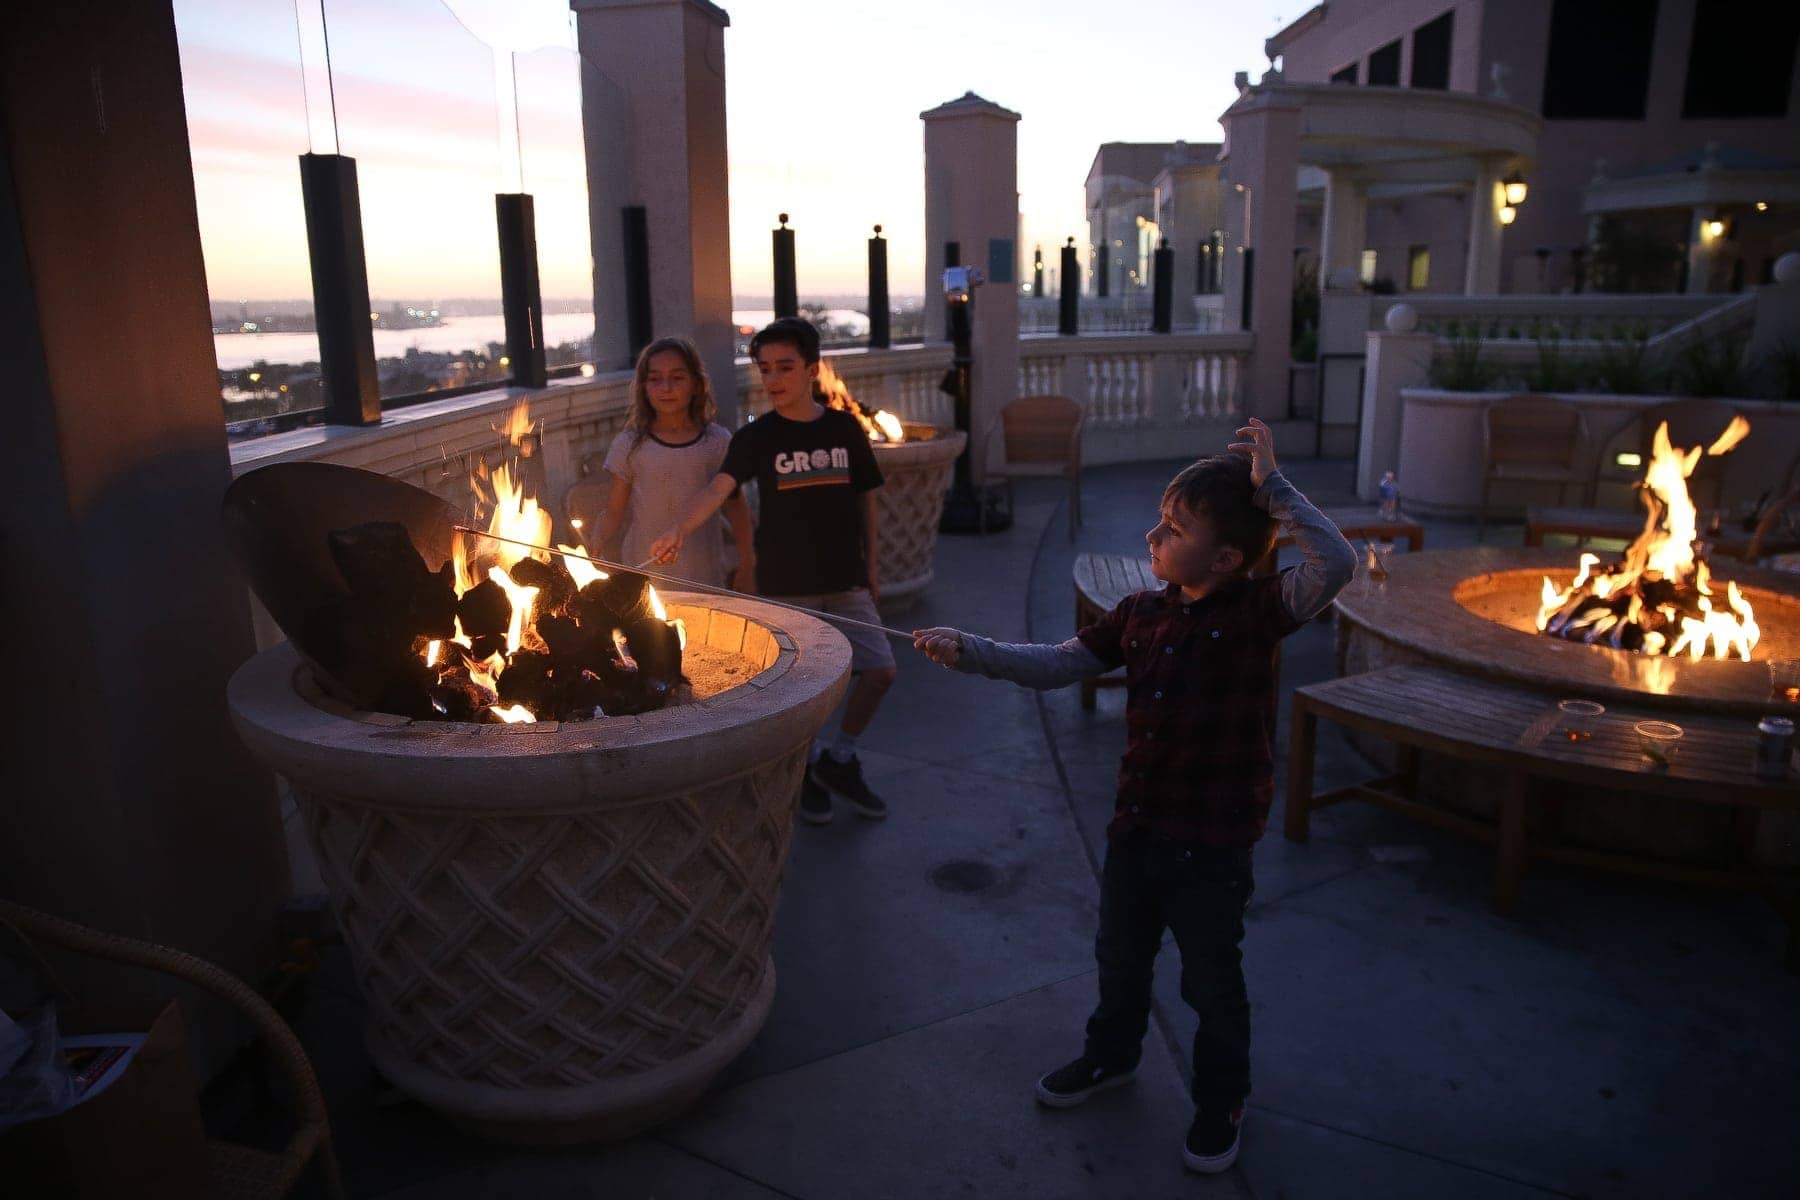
<point>1389,491</point>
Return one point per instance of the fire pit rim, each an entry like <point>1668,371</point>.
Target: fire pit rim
<point>463,766</point>
<point>1418,610</point>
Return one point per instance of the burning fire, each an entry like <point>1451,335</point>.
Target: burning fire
<point>881,425</point>
<point>1660,598</point>
<point>516,515</point>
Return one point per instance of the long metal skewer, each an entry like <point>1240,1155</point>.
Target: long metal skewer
<point>688,585</point>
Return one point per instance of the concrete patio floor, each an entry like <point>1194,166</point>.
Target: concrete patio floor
<point>1615,1038</point>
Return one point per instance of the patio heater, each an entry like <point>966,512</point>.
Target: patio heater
<point>968,508</point>
<point>1068,312</point>
<point>880,337</point>
<point>1162,316</point>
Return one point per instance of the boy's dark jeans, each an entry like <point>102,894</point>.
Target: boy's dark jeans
<point>1200,893</point>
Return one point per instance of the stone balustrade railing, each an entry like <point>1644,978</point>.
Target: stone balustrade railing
<point>1146,396</point>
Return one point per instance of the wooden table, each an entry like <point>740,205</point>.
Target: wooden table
<point>1101,581</point>
<point>1364,521</point>
<point>1516,732</point>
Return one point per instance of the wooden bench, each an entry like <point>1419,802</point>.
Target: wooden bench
<point>1102,580</point>
<point>1516,732</point>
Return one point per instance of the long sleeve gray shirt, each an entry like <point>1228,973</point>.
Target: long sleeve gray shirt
<point>1328,563</point>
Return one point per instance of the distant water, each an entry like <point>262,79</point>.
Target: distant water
<point>237,350</point>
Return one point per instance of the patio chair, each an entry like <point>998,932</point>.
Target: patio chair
<point>1692,422</point>
<point>1041,437</point>
<point>235,1170</point>
<point>1530,439</point>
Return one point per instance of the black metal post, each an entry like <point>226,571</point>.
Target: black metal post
<point>640,325</point>
<point>340,278</point>
<point>521,299</point>
<point>1037,273</point>
<point>787,294</point>
<point>1162,280</point>
<point>1205,256</point>
<point>1103,271</point>
<point>1068,315</point>
<point>1249,285</point>
<point>880,337</point>
<point>967,508</point>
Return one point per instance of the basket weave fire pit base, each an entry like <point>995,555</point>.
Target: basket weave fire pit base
<point>608,1111</point>
<point>560,932</point>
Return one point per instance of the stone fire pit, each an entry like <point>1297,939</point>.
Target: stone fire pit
<point>1473,611</point>
<point>561,932</point>
<point>918,474</point>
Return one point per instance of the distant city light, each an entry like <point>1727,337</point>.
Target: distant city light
<point>505,361</point>
<point>255,376</point>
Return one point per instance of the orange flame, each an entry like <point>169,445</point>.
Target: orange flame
<point>880,426</point>
<point>1664,552</point>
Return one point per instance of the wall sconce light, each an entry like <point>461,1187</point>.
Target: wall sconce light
<point>1715,228</point>
<point>1762,206</point>
<point>1508,214</point>
<point>1515,190</point>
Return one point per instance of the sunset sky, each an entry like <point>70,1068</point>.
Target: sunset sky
<point>822,112</point>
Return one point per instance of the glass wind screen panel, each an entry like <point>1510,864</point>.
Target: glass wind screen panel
<point>247,126</point>
<point>416,108</point>
<point>553,170</point>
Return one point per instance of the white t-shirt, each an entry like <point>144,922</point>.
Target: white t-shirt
<point>665,477</point>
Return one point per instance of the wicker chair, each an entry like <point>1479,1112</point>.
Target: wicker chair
<point>1042,437</point>
<point>1530,439</point>
<point>236,1171</point>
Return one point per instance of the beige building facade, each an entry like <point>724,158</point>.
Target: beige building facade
<point>1668,122</point>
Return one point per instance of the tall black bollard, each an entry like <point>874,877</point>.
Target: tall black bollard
<point>1103,271</point>
<point>1249,286</point>
<point>1162,279</point>
<point>639,321</point>
<point>340,279</point>
<point>879,337</point>
<point>952,258</point>
<point>1068,314</point>
<point>1037,273</point>
<point>521,299</point>
<point>787,295</point>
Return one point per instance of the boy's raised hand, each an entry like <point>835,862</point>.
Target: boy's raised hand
<point>941,645</point>
<point>1260,450</point>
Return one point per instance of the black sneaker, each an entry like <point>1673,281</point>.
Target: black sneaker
<point>1212,1140</point>
<point>815,802</point>
<point>845,781</point>
<point>1069,1085</point>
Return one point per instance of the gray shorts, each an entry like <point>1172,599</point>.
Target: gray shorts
<point>869,651</point>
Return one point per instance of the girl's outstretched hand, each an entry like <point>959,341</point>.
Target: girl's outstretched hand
<point>941,645</point>
<point>665,548</point>
<point>1260,450</point>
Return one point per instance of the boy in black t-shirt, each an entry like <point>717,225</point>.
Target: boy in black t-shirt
<point>816,538</point>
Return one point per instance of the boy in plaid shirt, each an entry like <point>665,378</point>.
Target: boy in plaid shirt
<point>1198,772</point>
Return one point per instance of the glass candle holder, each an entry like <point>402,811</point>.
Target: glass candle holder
<point>1579,718</point>
<point>1657,740</point>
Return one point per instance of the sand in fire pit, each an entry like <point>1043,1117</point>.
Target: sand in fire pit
<point>710,671</point>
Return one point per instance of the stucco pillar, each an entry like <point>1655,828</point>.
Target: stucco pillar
<point>1702,251</point>
<point>972,199</point>
<point>1262,132</point>
<point>653,122</point>
<point>1395,361</point>
<point>129,802</point>
<point>1481,272</point>
<point>1345,227</point>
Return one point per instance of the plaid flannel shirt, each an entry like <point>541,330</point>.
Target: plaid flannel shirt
<point>1200,682</point>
